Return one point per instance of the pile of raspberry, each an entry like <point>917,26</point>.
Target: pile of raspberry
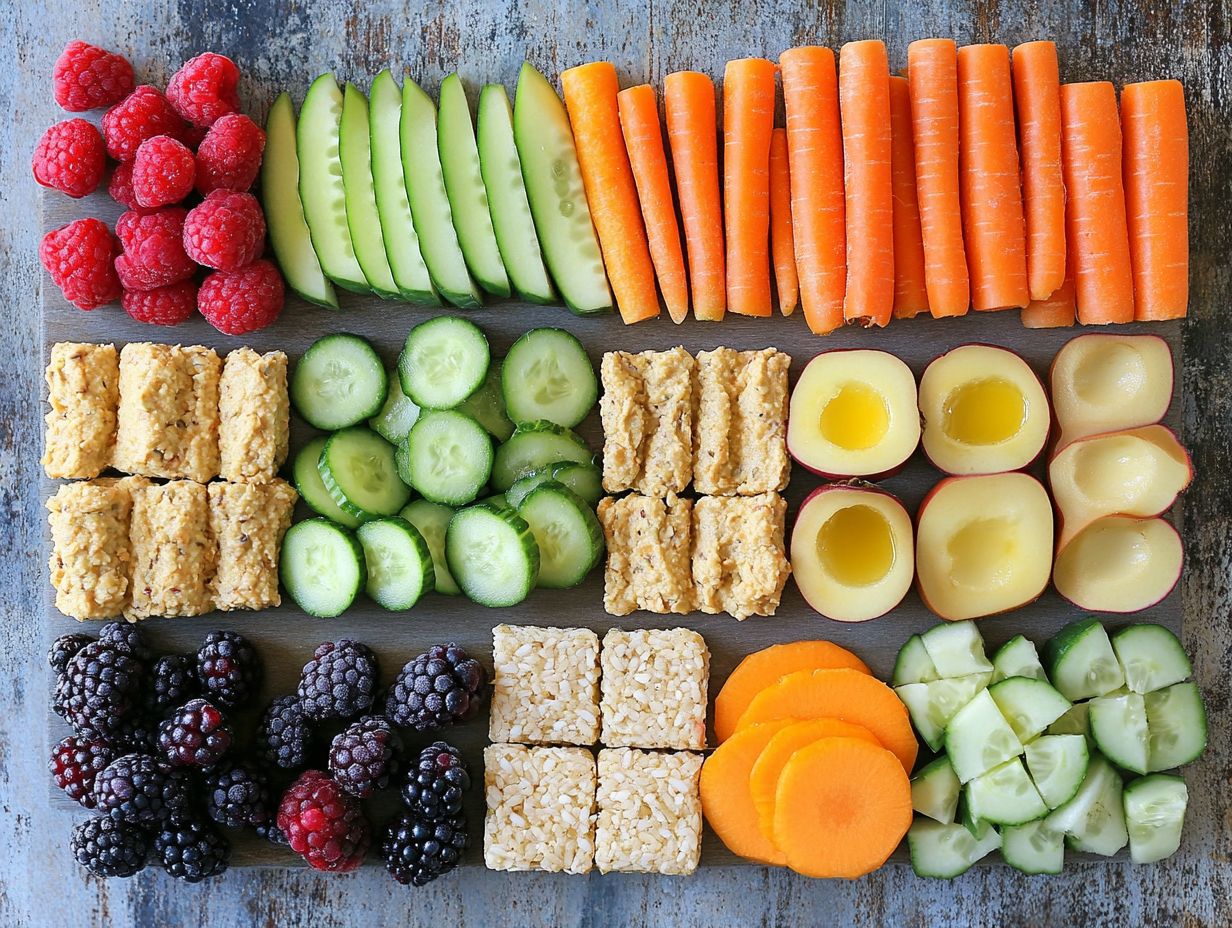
<point>185,162</point>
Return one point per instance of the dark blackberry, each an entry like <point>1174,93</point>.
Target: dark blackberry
<point>365,755</point>
<point>340,680</point>
<point>284,734</point>
<point>237,795</point>
<point>191,849</point>
<point>196,734</point>
<point>273,834</point>
<point>228,668</point>
<point>106,847</point>
<point>135,788</point>
<point>126,637</point>
<point>75,764</point>
<point>98,688</point>
<point>439,687</point>
<point>434,787</point>
<point>417,851</point>
<point>172,682</point>
<point>137,734</point>
<point>63,649</point>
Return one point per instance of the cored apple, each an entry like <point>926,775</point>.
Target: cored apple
<point>851,551</point>
<point>1135,472</point>
<point>983,544</point>
<point>1119,564</point>
<point>984,411</point>
<point>853,414</point>
<point>1106,383</point>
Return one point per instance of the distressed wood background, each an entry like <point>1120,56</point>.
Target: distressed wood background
<point>282,45</point>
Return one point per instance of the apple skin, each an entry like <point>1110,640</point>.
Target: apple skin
<point>1180,569</point>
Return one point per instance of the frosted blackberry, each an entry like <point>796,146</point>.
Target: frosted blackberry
<point>340,681</point>
<point>228,669</point>
<point>108,848</point>
<point>363,757</point>
<point>75,764</point>
<point>191,850</point>
<point>435,785</point>
<point>137,734</point>
<point>135,788</point>
<point>172,682</point>
<point>417,851</point>
<point>284,734</point>
<point>196,734</point>
<point>237,795</point>
<point>126,637</point>
<point>98,688</point>
<point>63,649</point>
<point>438,688</point>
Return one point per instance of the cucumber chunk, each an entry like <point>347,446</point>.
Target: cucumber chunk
<point>979,738</point>
<point>933,704</point>
<point>1176,718</point>
<point>1017,658</point>
<point>1074,722</point>
<point>547,375</point>
<point>447,457</point>
<point>956,649</point>
<point>1033,848</point>
<point>913,665</point>
<point>1058,765</point>
<point>1119,730</point>
<point>443,361</point>
<point>1094,820</point>
<point>398,560</point>
<point>487,408</point>
<point>1155,816</point>
<point>1080,661</point>
<point>969,820</point>
<point>534,445</point>
<point>340,381</point>
<point>321,567</point>
<point>432,519</point>
<point>307,477</point>
<point>935,789</point>
<point>492,554</point>
<point>567,532</point>
<point>1151,657</point>
<point>355,155</point>
<point>946,851</point>
<point>358,469</point>
<point>1028,705</point>
<point>1005,795</point>
<point>399,412</point>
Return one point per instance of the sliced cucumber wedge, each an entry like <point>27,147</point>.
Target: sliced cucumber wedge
<point>568,534</point>
<point>307,477</point>
<point>956,649</point>
<point>1155,816</point>
<point>946,851</point>
<point>1033,848</point>
<point>398,560</point>
<point>534,445</point>
<point>399,412</point>
<point>487,407</point>
<point>1177,721</point>
<point>1080,661</point>
<point>1005,795</point>
<point>492,554</point>
<point>1058,765</point>
<point>979,738</point>
<point>1094,820</point>
<point>548,375</point>
<point>340,381</point>
<point>443,362</point>
<point>358,469</point>
<point>432,519</point>
<point>935,789</point>
<point>321,567</point>
<point>1119,730</point>
<point>933,704</point>
<point>447,457</point>
<point>1017,658</point>
<point>1151,657</point>
<point>1029,705</point>
<point>913,665</point>
<point>1074,722</point>
<point>355,155</point>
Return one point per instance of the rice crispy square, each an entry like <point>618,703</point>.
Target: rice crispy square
<point>546,685</point>
<point>649,811</point>
<point>648,549</point>
<point>654,688</point>
<point>541,805</point>
<point>739,563</point>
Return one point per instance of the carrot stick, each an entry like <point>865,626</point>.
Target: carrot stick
<point>590,97</point>
<point>864,102</point>
<point>748,119</point>
<point>815,153</point>
<point>910,293</point>
<point>639,120</point>
<point>993,225</point>
<point>692,129</point>
<point>1037,97</point>
<point>1157,196</point>
<point>1058,310</point>
<point>782,243</point>
<point>1095,223</point>
<point>932,71</point>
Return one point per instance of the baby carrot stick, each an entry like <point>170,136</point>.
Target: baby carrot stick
<point>910,293</point>
<point>1058,309</point>
<point>748,118</point>
<point>815,155</point>
<point>864,102</point>
<point>932,71</point>
<point>782,243</point>
<point>692,129</point>
<point>639,120</point>
<point>1037,97</point>
<point>993,225</point>
<point>590,97</point>
<point>1157,196</point>
<point>1095,223</point>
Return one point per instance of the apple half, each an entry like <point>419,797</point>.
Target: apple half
<point>1135,472</point>
<point>853,414</point>
<point>851,551</point>
<point>984,411</point>
<point>1119,564</point>
<point>1106,383</point>
<point>983,545</point>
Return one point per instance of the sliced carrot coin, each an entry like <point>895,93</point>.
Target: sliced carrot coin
<point>726,800</point>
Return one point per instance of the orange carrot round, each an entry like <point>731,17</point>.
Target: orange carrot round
<point>748,121</point>
<point>782,241</point>
<point>910,292</point>
<point>727,802</point>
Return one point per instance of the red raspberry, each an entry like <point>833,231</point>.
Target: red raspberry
<point>120,187</point>
<point>225,231</point>
<point>141,115</point>
<point>235,302</point>
<point>229,156</point>
<point>205,88</point>
<point>88,77</point>
<point>70,158</point>
<point>194,136</point>
<point>163,172</point>
<point>165,306</point>
<point>79,257</point>
<point>153,250</point>
<point>324,824</point>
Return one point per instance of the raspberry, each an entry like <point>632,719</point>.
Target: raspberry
<point>229,156</point>
<point>229,668</point>
<point>106,847</point>
<point>204,89</point>
<point>339,681</point>
<point>196,735</point>
<point>242,301</point>
<point>120,187</point>
<point>163,172</point>
<point>70,158</point>
<point>80,259</point>
<point>87,77</point>
<point>168,305</point>
<point>364,756</point>
<point>76,763</point>
<point>324,824</point>
<point>141,115</point>
<point>226,231</point>
<point>153,250</point>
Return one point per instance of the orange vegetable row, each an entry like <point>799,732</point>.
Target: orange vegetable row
<point>978,180</point>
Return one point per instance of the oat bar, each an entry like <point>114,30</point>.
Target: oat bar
<point>653,685</point>
<point>248,521</point>
<point>739,565</point>
<point>174,551</point>
<point>648,545</point>
<point>83,390</point>
<point>545,685</point>
<point>649,811</point>
<point>253,416</point>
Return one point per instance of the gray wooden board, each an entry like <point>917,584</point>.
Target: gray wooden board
<point>286,636</point>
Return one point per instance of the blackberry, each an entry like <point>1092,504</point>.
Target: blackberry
<point>273,834</point>
<point>137,734</point>
<point>439,687</point>
<point>191,850</point>
<point>196,734</point>
<point>107,847</point>
<point>339,682</point>
<point>135,788</point>
<point>99,687</point>
<point>284,734</point>
<point>63,649</point>
<point>324,824</point>
<point>75,764</point>
<point>433,789</point>
<point>237,795</point>
<point>363,757</point>
<point>125,637</point>
<point>228,668</point>
<point>172,682</point>
<point>418,851</point>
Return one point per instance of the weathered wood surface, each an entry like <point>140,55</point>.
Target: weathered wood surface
<point>283,46</point>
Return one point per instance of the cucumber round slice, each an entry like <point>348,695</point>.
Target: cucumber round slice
<point>913,665</point>
<point>443,362</point>
<point>548,375</point>
<point>1005,795</point>
<point>946,851</point>
<point>1028,705</point>
<point>399,412</point>
<point>1176,718</point>
<point>567,532</point>
<point>492,555</point>
<point>935,789</point>
<point>934,703</point>
<point>1155,816</point>
<point>447,457</point>
<point>340,381</point>
<point>355,156</point>
<point>1151,657</point>
<point>534,445</point>
<point>321,566</point>
<point>1058,765</point>
<point>583,479</point>
<point>979,738</point>
<point>1080,661</point>
<point>432,519</point>
<point>398,560</point>
<point>1119,730</point>
<point>307,476</point>
<point>956,649</point>
<point>487,408</point>
<point>358,469</point>
<point>1017,658</point>
<point>1033,848</point>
